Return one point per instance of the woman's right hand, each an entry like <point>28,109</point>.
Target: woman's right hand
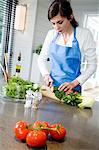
<point>48,80</point>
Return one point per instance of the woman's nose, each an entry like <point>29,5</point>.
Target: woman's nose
<point>56,26</point>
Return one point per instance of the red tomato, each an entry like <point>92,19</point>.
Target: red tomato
<point>61,131</point>
<point>21,130</point>
<point>20,124</point>
<point>21,133</point>
<point>36,138</point>
<point>40,124</point>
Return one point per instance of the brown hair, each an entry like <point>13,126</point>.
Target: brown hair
<point>63,8</point>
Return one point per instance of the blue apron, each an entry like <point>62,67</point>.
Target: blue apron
<point>65,62</point>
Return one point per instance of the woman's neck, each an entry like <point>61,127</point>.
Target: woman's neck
<point>67,33</point>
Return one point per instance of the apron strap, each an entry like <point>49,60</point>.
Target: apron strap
<point>75,32</point>
<point>74,35</point>
<point>54,39</point>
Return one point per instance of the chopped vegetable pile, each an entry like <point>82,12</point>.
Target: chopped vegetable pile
<point>74,98</point>
<point>16,87</point>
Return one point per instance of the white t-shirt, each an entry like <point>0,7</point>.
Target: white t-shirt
<point>87,47</point>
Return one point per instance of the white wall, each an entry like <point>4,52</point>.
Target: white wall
<point>42,23</point>
<point>23,41</point>
<point>82,7</point>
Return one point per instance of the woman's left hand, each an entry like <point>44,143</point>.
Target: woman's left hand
<point>67,86</point>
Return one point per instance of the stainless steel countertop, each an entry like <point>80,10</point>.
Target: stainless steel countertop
<point>82,125</point>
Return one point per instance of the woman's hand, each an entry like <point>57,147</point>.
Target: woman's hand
<point>48,80</point>
<point>68,86</point>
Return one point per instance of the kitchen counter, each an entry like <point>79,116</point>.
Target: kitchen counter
<point>82,125</point>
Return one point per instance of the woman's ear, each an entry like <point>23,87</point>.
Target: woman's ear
<point>71,17</point>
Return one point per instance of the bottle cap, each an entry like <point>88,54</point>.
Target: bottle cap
<point>19,57</point>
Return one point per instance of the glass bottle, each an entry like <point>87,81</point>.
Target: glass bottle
<point>18,65</point>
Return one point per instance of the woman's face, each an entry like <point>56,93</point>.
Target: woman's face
<point>60,24</point>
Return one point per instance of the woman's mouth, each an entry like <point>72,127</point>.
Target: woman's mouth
<point>59,30</point>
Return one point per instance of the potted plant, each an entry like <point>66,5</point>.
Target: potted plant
<point>38,49</point>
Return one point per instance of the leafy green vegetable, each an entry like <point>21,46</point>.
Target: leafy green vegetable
<point>58,94</point>
<point>86,103</point>
<point>12,91</point>
<point>72,99</point>
<point>16,87</point>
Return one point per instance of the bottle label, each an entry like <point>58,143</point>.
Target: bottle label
<point>18,67</point>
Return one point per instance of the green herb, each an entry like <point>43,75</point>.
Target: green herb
<point>58,94</point>
<point>72,99</point>
<point>16,87</point>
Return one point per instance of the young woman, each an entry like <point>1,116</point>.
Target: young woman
<point>66,45</point>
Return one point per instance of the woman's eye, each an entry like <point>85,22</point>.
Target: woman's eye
<point>53,24</point>
<point>60,22</point>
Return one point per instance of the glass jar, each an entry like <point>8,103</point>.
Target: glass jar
<point>37,97</point>
<point>29,98</point>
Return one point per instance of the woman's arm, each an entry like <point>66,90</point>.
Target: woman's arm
<point>90,58</point>
<point>42,59</point>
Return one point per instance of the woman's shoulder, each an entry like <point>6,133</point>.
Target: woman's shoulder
<point>84,36</point>
<point>52,32</point>
<point>83,31</point>
<point>50,35</point>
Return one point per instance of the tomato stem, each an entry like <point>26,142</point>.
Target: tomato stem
<point>54,129</point>
<point>43,128</point>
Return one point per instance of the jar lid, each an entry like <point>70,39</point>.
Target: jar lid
<point>29,92</point>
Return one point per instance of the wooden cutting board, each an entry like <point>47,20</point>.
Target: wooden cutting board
<point>50,94</point>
